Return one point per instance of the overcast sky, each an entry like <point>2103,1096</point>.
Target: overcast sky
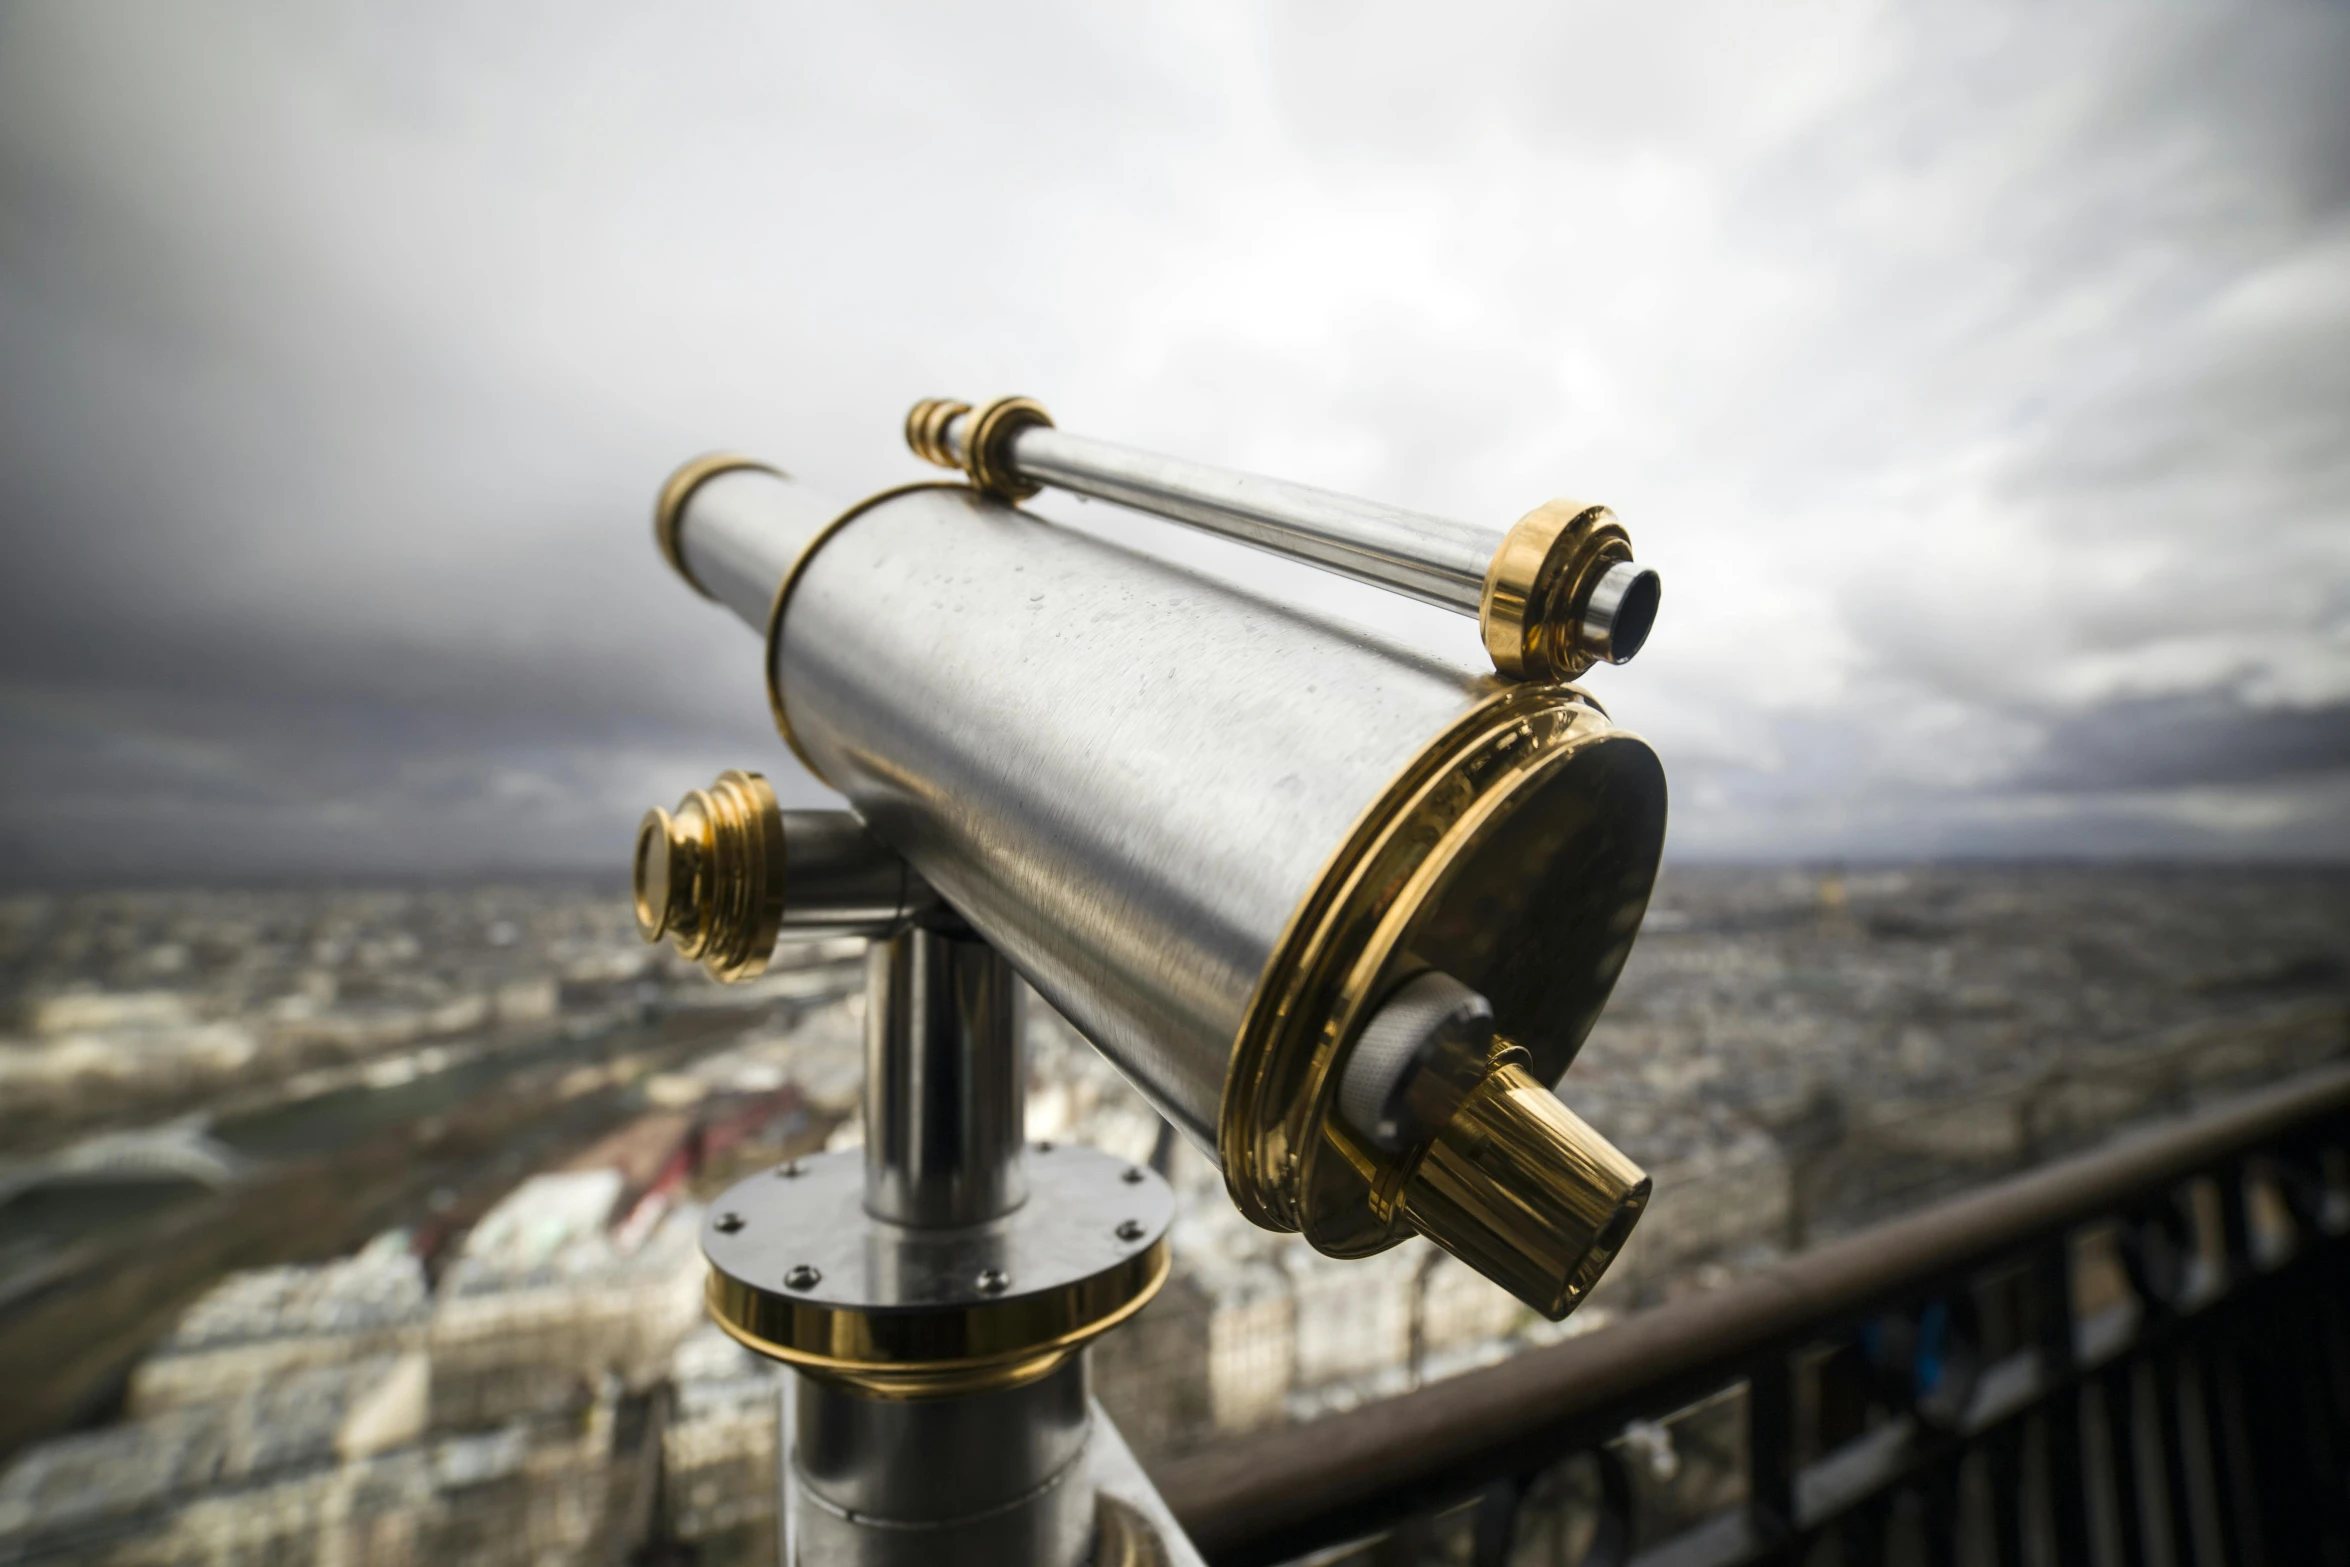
<point>1979,378</point>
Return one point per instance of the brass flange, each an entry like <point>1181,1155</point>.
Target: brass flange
<point>1539,588</point>
<point>800,1272</point>
<point>710,876</point>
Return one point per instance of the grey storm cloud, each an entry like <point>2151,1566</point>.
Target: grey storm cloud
<point>2193,741</point>
<point>1978,377</point>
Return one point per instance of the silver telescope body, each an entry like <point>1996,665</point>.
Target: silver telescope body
<point>1553,594</point>
<point>1263,862</point>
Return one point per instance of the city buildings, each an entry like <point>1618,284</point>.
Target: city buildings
<point>518,1370</point>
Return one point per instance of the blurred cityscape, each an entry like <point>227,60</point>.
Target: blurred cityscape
<point>360,1226</point>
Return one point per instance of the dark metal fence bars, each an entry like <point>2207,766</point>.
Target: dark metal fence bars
<point>2141,1355</point>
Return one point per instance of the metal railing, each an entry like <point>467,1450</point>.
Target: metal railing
<point>2141,1354</point>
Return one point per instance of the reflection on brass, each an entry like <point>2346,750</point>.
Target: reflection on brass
<point>791,580</point>
<point>1540,584</point>
<point>1123,1537</point>
<point>985,456</point>
<point>669,507</point>
<point>954,1349</point>
<point>710,877</point>
<point>1516,854</point>
<point>1517,1186</point>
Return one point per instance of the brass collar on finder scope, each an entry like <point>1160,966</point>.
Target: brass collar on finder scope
<point>1539,588</point>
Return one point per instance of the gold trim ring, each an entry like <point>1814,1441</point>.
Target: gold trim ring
<point>987,449</point>
<point>935,1354</point>
<point>1288,1162</point>
<point>1539,581</point>
<point>791,580</point>
<point>669,506</point>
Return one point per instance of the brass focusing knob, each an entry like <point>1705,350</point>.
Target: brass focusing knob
<point>1496,1171</point>
<point>1521,1188</point>
<point>710,876</point>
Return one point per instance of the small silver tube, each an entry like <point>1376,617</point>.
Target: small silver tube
<point>1433,559</point>
<point>945,1081</point>
<point>1622,608</point>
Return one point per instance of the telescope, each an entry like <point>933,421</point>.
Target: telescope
<point>1342,910</point>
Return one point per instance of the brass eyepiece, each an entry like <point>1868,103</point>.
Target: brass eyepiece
<point>710,876</point>
<point>1521,1188</point>
<point>1496,1171</point>
<point>1563,594</point>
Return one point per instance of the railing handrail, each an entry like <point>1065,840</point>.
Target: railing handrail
<point>1445,1440</point>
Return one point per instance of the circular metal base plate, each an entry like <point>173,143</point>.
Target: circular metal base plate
<point>801,1272</point>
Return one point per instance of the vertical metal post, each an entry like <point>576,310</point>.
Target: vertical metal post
<point>2223,1379</point>
<point>2055,1333</point>
<point>945,1079</point>
<point>994,1475</point>
<point>2118,1398</point>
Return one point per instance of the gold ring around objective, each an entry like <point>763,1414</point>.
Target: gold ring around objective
<point>1544,570</point>
<point>669,508</point>
<point>1275,1128</point>
<point>898,1354</point>
<point>791,578</point>
<point>926,429</point>
<point>984,448</point>
<point>1259,1148</point>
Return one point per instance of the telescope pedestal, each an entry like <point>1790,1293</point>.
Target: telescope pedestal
<point>987,1477</point>
<point>934,1298</point>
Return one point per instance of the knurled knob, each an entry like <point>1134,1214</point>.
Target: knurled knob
<point>710,875</point>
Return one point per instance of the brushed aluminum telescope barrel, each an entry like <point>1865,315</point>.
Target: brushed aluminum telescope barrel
<point>1227,840</point>
<point>1554,594</point>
